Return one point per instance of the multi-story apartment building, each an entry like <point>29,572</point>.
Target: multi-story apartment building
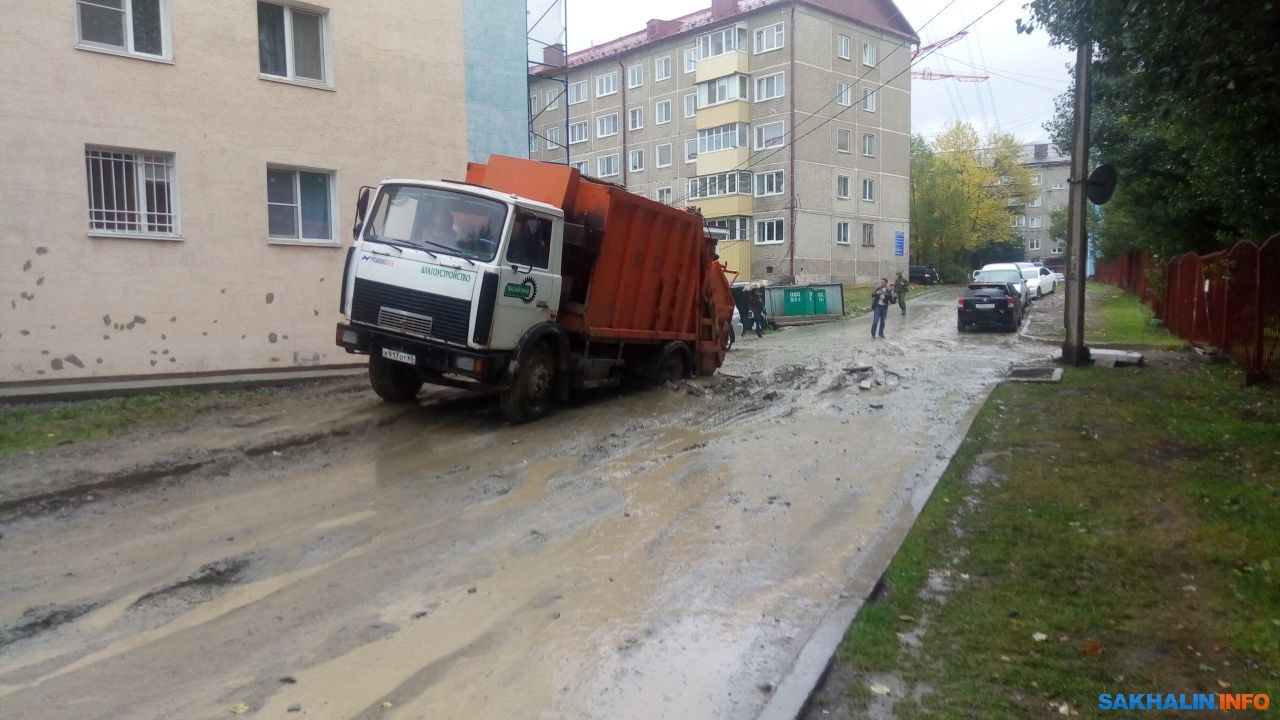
<point>1049,173</point>
<point>787,122</point>
<point>179,175</point>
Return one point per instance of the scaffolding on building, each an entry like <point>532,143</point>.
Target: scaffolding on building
<point>548,40</point>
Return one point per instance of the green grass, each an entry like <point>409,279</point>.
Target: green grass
<point>23,429</point>
<point>1121,318</point>
<point>857,299</point>
<point>1135,526</point>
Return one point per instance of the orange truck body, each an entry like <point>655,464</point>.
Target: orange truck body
<point>650,271</point>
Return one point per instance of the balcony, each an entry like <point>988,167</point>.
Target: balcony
<point>722,161</point>
<point>734,111</point>
<point>722,65</point>
<point>725,206</point>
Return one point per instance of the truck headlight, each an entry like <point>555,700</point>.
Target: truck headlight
<point>464,363</point>
<point>350,337</point>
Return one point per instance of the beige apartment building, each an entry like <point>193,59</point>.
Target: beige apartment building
<point>787,122</point>
<point>1049,173</point>
<point>180,175</point>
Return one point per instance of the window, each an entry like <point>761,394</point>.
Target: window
<point>719,42</point>
<point>844,140</point>
<point>1033,244</point>
<point>1037,180</point>
<point>844,94</point>
<point>1057,249</point>
<point>733,135</point>
<point>690,60</point>
<point>299,205</point>
<point>582,166</point>
<point>607,125</point>
<point>662,68</point>
<point>737,227</point>
<point>842,187</point>
<point>869,144</point>
<point>869,190</point>
<point>530,241</point>
<point>1036,223</point>
<point>635,160</point>
<point>139,27</point>
<point>664,195</point>
<point>690,150</point>
<point>869,54</point>
<point>662,112</point>
<point>1017,221</point>
<point>690,105</point>
<point>769,38</point>
<point>578,133</point>
<point>663,153</point>
<point>578,92</point>
<point>868,235</point>
<point>1058,186</point>
<point>868,99</point>
<point>635,118</point>
<point>553,138</point>
<point>1055,207</point>
<point>1037,202</point>
<point>769,183</point>
<point>770,232</point>
<point>533,104</point>
<point>293,43</point>
<point>635,76</point>
<point>607,84</point>
<point>607,165</point>
<point>552,99</point>
<point>842,233</point>
<point>708,186</point>
<point>131,192</point>
<point>771,86</point>
<point>533,143</point>
<point>844,46</point>
<point>770,135</point>
<point>714,92</point>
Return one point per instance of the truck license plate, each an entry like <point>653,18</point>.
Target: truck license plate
<point>399,356</point>
<point>981,306</point>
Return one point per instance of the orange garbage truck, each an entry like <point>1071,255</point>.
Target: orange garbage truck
<point>531,281</point>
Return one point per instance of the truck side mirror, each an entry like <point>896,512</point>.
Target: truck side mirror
<point>362,206</point>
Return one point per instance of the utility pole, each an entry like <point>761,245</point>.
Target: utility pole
<point>1074,351</point>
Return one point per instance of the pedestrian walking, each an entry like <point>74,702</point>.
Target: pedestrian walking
<point>900,288</point>
<point>757,312</point>
<point>881,298</point>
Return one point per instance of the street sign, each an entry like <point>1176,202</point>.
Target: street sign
<point>1102,183</point>
<point>899,243</point>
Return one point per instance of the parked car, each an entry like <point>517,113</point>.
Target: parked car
<point>924,275</point>
<point>1040,279</point>
<point>995,297</point>
<point>1020,282</point>
<point>735,328</point>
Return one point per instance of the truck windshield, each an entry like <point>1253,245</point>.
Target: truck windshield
<point>438,221</point>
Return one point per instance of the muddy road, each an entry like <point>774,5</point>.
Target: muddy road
<point>659,554</point>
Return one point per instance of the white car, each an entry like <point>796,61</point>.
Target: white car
<point>1040,279</point>
<point>735,328</point>
<point>1023,287</point>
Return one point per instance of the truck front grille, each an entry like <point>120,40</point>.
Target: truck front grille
<point>411,312</point>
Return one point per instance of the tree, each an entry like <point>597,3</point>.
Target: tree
<point>1185,97</point>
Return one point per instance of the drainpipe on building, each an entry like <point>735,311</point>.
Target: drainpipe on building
<point>791,172</point>
<point>624,120</point>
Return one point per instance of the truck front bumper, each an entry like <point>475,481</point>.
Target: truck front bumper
<point>430,358</point>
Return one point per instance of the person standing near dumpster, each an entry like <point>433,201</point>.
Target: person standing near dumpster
<point>757,312</point>
<point>900,288</point>
<point>881,299</point>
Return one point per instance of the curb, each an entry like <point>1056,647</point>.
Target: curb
<point>97,389</point>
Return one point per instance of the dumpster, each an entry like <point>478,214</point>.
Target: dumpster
<point>800,304</point>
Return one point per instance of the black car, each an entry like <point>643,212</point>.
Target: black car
<point>924,275</point>
<point>992,298</point>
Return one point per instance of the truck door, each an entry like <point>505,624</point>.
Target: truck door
<point>529,284</point>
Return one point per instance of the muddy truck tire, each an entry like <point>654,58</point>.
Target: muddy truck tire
<point>529,397</point>
<point>393,381</point>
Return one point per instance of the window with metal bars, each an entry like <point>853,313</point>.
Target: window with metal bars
<point>131,192</point>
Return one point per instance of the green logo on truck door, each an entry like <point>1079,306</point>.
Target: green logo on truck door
<point>526,290</point>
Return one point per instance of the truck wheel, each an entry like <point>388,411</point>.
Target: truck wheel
<point>670,366</point>
<point>529,396</point>
<point>393,381</point>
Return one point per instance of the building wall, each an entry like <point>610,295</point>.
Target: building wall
<point>1052,171</point>
<point>496,76</point>
<point>221,296</point>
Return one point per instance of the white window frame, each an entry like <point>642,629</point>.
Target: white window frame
<point>780,234</point>
<point>690,60</point>
<point>1036,223</point>
<point>137,158</point>
<point>326,47</point>
<point>1057,249</point>
<point>691,109</point>
<point>658,113</point>
<point>734,38</point>
<point>632,157</point>
<point>127,50</point>
<point>737,226</point>
<point>869,139</point>
<point>1059,186</point>
<point>607,84</point>
<point>635,76</point>
<point>771,183</point>
<point>1055,207</point>
<point>759,134</point>
<point>662,69</point>
<point>583,166</point>
<point>661,192</point>
<point>1017,221</point>
<point>581,88</point>
<point>553,137</point>
<point>868,190</point>
<point>723,184</point>
<point>843,183</point>
<point>1033,243</point>
<point>635,118</point>
<point>1038,202</point>
<point>868,235</point>
<point>844,46</point>
<point>868,99</point>
<point>600,162</point>
<point>870,54</point>
<point>688,156</point>
<point>551,99</point>
<point>583,136</point>
<point>764,35</point>
<point>844,94</point>
<point>845,133</point>
<point>331,176</point>
<point>727,89</point>
<point>600,125</point>
<point>657,156</point>
<point>842,232</point>
<point>779,84</point>
<point>1037,180</point>
<point>723,137</point>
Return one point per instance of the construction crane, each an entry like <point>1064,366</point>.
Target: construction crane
<point>925,49</point>
<point>927,74</point>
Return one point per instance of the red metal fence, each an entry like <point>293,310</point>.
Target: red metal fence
<point>1229,299</point>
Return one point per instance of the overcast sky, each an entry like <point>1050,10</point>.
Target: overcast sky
<point>1026,73</point>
